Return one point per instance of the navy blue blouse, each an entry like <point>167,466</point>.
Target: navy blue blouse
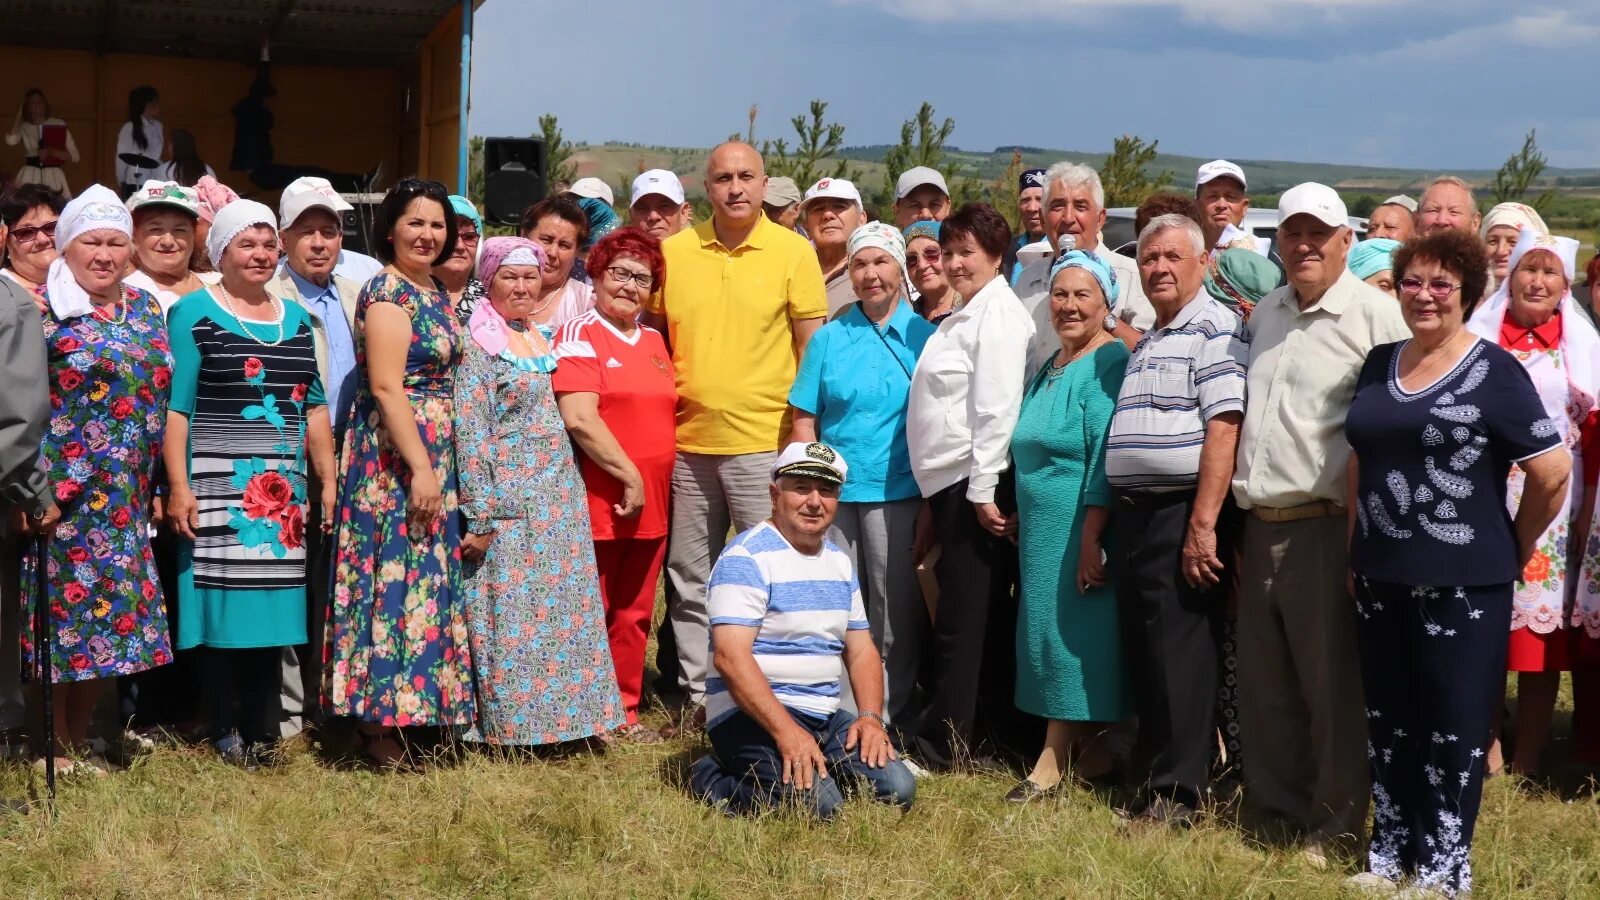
<point>1432,482</point>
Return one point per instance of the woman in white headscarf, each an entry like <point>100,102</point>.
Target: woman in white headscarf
<point>1556,604</point>
<point>109,373</point>
<point>851,393</point>
<point>1500,230</point>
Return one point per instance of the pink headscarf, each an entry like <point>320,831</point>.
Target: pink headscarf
<point>487,326</point>
<point>214,195</point>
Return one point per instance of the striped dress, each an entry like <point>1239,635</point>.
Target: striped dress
<point>242,582</point>
<point>802,607</point>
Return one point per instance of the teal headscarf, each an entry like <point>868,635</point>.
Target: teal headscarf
<point>1372,256</point>
<point>1094,265</point>
<point>602,219</point>
<point>464,208</point>
<point>925,228</point>
<point>1241,277</point>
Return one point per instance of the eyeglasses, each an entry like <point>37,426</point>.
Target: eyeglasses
<point>1438,288</point>
<point>27,235</point>
<point>930,255</point>
<point>471,237</point>
<point>624,276</point>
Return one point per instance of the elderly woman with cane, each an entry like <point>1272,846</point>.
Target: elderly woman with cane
<point>109,372</point>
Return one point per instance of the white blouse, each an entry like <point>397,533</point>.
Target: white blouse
<point>155,143</point>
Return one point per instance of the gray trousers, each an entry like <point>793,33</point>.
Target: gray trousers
<point>710,494</point>
<point>878,538</point>
<point>1302,722</point>
<point>13,711</point>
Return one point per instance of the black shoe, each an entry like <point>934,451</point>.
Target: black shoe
<point>1167,811</point>
<point>1026,792</point>
<point>985,764</point>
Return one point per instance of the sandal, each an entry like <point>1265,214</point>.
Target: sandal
<point>638,733</point>
<point>383,760</point>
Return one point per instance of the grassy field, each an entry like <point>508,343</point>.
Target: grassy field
<point>180,824</point>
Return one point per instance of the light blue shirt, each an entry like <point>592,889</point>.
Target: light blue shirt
<point>855,379</point>
<point>325,302</point>
<point>357,267</point>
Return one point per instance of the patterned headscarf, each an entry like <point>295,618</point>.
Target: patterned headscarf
<point>1094,265</point>
<point>885,237</point>
<point>214,195</point>
<point>602,219</point>
<point>1517,215</point>
<point>98,208</point>
<point>926,228</point>
<point>487,326</point>
<point>1240,278</point>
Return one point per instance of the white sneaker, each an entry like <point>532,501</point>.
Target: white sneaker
<point>1372,884</point>
<point>917,772</point>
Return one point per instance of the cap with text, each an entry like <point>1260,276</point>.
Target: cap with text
<point>594,189</point>
<point>1316,200</point>
<point>657,181</point>
<point>166,193</point>
<point>916,177</point>
<point>813,460</point>
<point>832,188</point>
<point>306,193</point>
<point>1219,168</point>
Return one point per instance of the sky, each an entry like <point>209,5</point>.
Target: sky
<point>1432,84</point>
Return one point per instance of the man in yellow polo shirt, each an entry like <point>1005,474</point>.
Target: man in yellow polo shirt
<point>742,297</point>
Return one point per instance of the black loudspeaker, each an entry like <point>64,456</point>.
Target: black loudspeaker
<point>514,177</point>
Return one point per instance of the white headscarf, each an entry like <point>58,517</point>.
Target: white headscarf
<point>1519,214</point>
<point>885,237</point>
<point>233,219</point>
<point>96,209</point>
<point>1580,343</point>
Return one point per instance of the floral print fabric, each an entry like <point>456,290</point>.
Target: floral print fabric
<point>109,384</point>
<point>541,659</point>
<point>396,649</point>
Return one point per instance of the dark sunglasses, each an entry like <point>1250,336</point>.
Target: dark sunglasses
<point>26,235</point>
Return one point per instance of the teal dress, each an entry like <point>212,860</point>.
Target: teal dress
<point>246,388</point>
<point>1069,650</point>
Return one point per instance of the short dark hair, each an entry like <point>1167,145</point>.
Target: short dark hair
<point>1162,204</point>
<point>563,207</point>
<point>15,203</point>
<point>981,222</point>
<point>394,206</point>
<point>1461,253</point>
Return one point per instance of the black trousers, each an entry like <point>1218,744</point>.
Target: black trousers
<point>969,665</point>
<point>242,693</point>
<point>1172,638</point>
<point>319,582</point>
<point>1433,665</point>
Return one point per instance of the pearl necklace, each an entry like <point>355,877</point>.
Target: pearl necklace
<point>227,302</point>
<point>122,313</point>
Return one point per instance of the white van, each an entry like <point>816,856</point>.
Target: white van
<point>1263,223</point>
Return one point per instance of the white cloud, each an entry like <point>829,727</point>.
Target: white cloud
<point>1232,15</point>
<point>1551,30</point>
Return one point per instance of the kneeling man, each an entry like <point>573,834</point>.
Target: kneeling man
<point>786,621</point>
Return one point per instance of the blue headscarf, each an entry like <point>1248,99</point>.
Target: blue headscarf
<point>1094,265</point>
<point>464,208</point>
<point>602,219</point>
<point>1372,256</point>
<point>926,228</point>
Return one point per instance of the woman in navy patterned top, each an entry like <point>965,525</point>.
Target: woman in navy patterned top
<point>1436,424</point>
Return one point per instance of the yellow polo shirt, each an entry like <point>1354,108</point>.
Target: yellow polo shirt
<point>729,315</point>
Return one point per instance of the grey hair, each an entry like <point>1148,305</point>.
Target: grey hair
<point>1170,222</point>
<point>1447,179</point>
<point>1075,175</point>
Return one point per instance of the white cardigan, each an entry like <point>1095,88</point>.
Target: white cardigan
<point>966,394</point>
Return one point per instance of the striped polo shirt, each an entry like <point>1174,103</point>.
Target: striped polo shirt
<point>1178,378</point>
<point>801,605</point>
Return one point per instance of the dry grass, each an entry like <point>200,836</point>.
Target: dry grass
<point>181,824</point>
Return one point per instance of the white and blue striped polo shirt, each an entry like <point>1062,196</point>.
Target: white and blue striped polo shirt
<point>1178,378</point>
<point>803,605</point>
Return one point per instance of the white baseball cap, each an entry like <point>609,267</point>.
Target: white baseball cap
<point>1312,199</point>
<point>815,460</point>
<point>657,181</point>
<point>308,193</point>
<point>1220,168</point>
<point>593,188</point>
<point>1402,201</point>
<point>165,193</point>
<point>916,177</point>
<point>835,188</point>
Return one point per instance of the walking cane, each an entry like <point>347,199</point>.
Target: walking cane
<point>41,653</point>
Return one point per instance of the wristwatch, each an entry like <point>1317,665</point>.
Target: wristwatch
<point>1110,322</point>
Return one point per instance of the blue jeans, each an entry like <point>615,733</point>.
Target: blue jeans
<point>745,773</point>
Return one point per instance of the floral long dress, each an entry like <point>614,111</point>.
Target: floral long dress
<point>109,382</point>
<point>541,661</point>
<point>396,649</point>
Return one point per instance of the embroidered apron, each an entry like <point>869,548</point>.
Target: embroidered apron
<point>1539,601</point>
